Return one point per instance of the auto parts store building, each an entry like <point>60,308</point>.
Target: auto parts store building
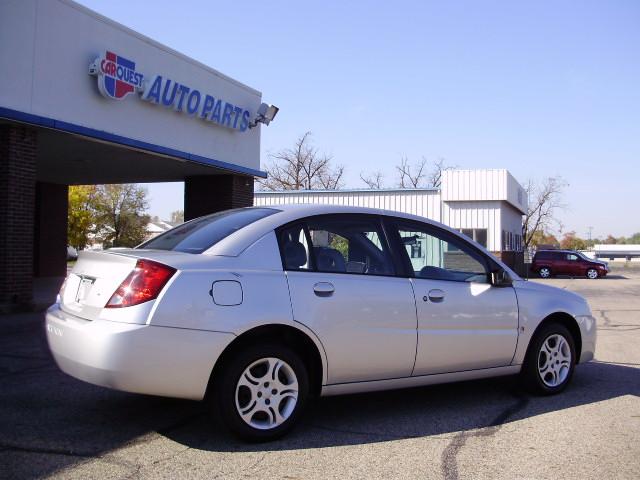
<point>85,100</point>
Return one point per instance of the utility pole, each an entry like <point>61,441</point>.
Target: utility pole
<point>590,230</point>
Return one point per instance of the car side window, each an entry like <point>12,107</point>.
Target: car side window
<point>338,243</point>
<point>571,257</point>
<point>349,244</point>
<point>438,256</point>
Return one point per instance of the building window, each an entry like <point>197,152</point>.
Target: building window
<point>511,242</point>
<point>480,235</point>
<point>477,234</point>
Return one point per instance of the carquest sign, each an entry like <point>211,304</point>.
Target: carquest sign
<point>117,77</point>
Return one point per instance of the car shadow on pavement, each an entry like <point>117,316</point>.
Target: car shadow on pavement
<point>51,421</point>
<point>423,412</point>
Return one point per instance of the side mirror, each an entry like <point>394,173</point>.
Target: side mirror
<point>500,278</point>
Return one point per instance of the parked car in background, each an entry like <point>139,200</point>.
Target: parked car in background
<point>567,262</point>
<point>257,309</point>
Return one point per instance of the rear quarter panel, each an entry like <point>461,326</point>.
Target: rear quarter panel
<point>265,293</point>
<point>189,304</point>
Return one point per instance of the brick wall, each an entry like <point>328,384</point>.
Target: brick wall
<point>50,234</point>
<point>212,193</point>
<point>17,205</point>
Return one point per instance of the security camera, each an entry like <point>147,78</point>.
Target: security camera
<point>265,114</point>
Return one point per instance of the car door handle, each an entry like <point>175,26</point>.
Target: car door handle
<point>323,289</point>
<point>435,295</point>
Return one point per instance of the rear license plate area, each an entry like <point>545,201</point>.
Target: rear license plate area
<point>84,287</point>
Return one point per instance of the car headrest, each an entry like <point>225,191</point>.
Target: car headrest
<point>330,260</point>
<point>295,255</point>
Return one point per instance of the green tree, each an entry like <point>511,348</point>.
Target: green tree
<point>81,215</point>
<point>120,209</point>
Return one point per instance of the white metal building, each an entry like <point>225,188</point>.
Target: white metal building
<point>617,252</point>
<point>486,205</point>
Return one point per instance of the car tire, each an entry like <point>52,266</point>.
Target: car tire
<point>261,392</point>
<point>550,360</point>
<point>544,272</point>
<point>592,273</point>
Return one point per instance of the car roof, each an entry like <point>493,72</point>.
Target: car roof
<point>559,250</point>
<point>235,243</point>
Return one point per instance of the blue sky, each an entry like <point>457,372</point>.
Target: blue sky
<point>541,88</point>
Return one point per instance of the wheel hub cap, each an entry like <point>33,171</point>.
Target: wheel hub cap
<point>267,393</point>
<point>554,360</point>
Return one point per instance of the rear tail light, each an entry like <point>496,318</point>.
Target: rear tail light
<point>144,283</point>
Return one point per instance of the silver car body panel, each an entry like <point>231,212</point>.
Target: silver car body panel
<point>367,326</point>
<point>473,326</point>
<point>537,302</point>
<point>171,362</point>
<point>419,381</point>
<point>367,334</point>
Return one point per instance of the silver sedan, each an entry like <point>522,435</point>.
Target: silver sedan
<point>255,310</point>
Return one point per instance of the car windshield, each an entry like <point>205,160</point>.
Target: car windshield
<point>584,257</point>
<point>202,233</point>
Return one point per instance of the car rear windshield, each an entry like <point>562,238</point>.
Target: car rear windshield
<point>198,235</point>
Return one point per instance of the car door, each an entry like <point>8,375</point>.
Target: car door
<point>560,264</point>
<point>343,286</point>
<point>464,322</point>
<point>574,264</point>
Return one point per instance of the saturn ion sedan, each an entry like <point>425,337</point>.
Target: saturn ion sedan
<point>255,310</point>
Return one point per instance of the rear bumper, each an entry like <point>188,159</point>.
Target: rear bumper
<point>170,362</point>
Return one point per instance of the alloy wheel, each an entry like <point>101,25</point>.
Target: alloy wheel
<point>266,393</point>
<point>545,272</point>
<point>554,360</point>
<point>592,273</point>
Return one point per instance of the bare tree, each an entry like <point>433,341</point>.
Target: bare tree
<point>331,179</point>
<point>435,175</point>
<point>302,167</point>
<point>419,174</point>
<point>544,199</point>
<point>374,181</point>
<point>411,176</point>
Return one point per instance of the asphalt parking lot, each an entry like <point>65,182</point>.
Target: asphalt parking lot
<point>55,426</point>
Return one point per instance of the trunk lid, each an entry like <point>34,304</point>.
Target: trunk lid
<point>94,278</point>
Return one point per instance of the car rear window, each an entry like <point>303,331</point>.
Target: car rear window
<point>202,233</point>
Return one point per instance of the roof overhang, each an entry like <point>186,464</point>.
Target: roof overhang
<point>74,155</point>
